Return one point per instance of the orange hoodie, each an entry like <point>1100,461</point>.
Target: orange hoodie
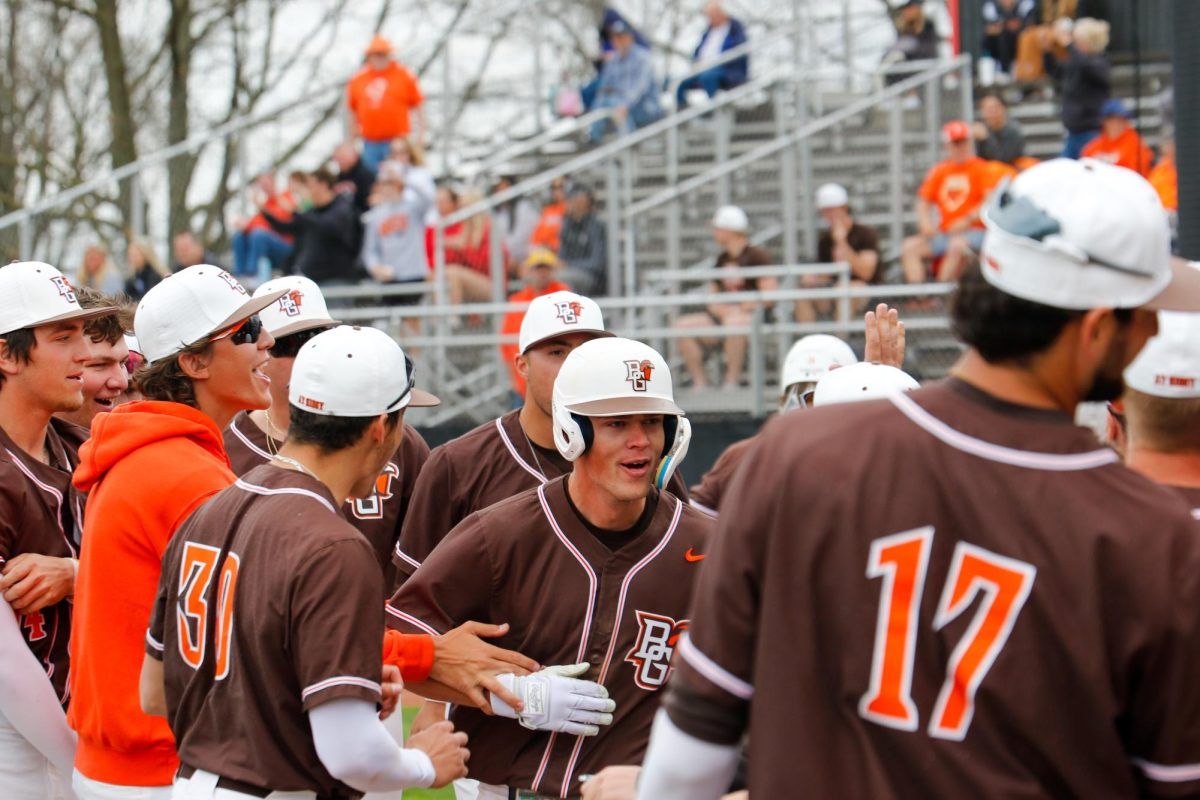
<point>148,466</point>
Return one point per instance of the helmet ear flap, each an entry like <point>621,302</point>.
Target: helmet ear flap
<point>678,435</point>
<point>572,432</point>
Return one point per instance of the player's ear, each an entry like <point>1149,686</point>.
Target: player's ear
<point>195,365</point>
<point>521,362</point>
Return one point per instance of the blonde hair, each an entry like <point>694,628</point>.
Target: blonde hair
<point>94,280</point>
<point>477,226</point>
<point>1092,34</point>
<point>1163,424</point>
<point>416,153</point>
<point>146,251</point>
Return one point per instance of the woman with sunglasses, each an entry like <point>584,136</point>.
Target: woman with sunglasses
<point>148,466</point>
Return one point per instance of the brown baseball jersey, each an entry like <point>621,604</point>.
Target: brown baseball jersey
<point>379,516</point>
<point>570,594</point>
<point>491,463</point>
<point>707,495</point>
<point>267,607</point>
<point>40,512</point>
<point>959,597</point>
<point>1192,495</point>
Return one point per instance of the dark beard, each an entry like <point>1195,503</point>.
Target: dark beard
<point>1109,383</point>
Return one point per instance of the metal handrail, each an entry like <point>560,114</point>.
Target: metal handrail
<point>770,271</point>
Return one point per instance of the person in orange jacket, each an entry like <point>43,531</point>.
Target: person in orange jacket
<point>380,97</point>
<point>540,272</point>
<point>1118,142</point>
<point>1164,177</point>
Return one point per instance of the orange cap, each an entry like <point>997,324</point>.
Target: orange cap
<point>379,45</point>
<point>955,131</point>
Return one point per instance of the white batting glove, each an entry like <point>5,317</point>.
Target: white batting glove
<point>555,700</point>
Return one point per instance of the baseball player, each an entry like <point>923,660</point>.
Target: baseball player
<point>1162,407</point>
<point>105,379</point>
<point>253,437</point>
<point>594,568</point>
<point>42,352</point>
<point>255,620</point>
<point>508,455</point>
<point>808,359</point>
<point>146,467</point>
<point>931,609</point>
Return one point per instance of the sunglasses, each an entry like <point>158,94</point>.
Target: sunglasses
<point>288,346</point>
<point>246,332</point>
<point>410,370</point>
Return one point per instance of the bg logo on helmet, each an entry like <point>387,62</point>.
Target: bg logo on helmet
<point>64,288</point>
<point>638,374</point>
<point>290,303</point>
<point>569,311</point>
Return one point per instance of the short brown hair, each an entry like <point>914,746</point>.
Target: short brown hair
<point>165,379</point>
<point>1164,424</point>
<point>20,344</point>
<point>111,327</point>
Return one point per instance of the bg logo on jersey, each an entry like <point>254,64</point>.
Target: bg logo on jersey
<point>372,507</point>
<point>638,374</point>
<point>291,302</point>
<point>569,311</point>
<point>651,656</point>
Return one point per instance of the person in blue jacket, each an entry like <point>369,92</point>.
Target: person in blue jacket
<point>722,34</point>
<point>611,16</point>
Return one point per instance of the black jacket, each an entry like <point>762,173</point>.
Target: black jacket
<point>1085,82</point>
<point>363,179</point>
<point>328,239</point>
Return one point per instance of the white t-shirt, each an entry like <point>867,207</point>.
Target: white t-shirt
<point>711,49</point>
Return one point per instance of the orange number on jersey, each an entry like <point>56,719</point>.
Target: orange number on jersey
<point>191,612</point>
<point>901,560</point>
<point>1005,584</point>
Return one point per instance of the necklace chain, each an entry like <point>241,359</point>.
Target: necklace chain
<point>291,462</point>
<point>533,449</point>
<point>271,447</point>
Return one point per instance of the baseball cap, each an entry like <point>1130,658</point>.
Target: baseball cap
<point>557,314</point>
<point>832,195</point>
<point>812,356</point>
<point>351,371</point>
<point>34,293</point>
<point>1114,107</point>
<point>191,305</point>
<point>301,307</point>
<point>955,131</point>
<point>378,45</point>
<point>1169,364</point>
<point>1084,234</point>
<point>731,218</point>
<point>541,257</point>
<point>615,376</point>
<point>863,381</point>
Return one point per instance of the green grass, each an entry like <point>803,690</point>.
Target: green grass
<point>423,794</point>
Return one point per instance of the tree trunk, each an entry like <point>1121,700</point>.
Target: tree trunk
<point>179,170</point>
<point>123,148</point>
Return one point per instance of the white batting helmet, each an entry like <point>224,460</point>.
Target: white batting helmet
<point>617,377</point>
<point>811,357</point>
<point>861,382</point>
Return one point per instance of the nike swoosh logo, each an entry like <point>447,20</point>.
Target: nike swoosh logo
<point>693,557</point>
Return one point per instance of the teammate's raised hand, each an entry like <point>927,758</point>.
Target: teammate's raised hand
<point>885,337</point>
<point>466,663</point>
<point>555,700</point>
<point>446,748</point>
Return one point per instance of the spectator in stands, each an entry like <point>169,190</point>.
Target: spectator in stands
<point>610,17</point>
<point>1164,177</point>
<point>145,268</point>
<point>1037,40</point>
<point>97,271</point>
<point>189,252</point>
<point>548,227</point>
<point>1085,80</point>
<point>583,245</point>
<point>627,86</point>
<point>540,273</point>
<point>916,38</point>
<point>255,241</point>
<point>1003,22</point>
<point>410,154</point>
<point>381,96</point>
<point>327,234</point>
<point>842,239</point>
<point>731,232</point>
<point>514,222</point>
<point>998,138</point>
<point>957,187</point>
<point>353,178</point>
<point>723,33</point>
<point>394,234</point>
<point>1118,142</point>
<point>469,254</point>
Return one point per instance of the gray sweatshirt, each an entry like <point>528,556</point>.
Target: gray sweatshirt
<point>394,235</point>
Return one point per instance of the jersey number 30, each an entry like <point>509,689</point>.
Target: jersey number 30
<point>901,560</point>
<point>192,616</point>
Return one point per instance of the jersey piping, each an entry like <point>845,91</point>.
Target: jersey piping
<point>542,479</point>
<point>253,489</point>
<point>718,675</point>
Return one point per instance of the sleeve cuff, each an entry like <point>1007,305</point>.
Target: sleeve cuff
<point>412,653</point>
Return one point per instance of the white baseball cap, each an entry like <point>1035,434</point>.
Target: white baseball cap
<point>1084,234</point>
<point>862,381</point>
<point>615,376</point>
<point>34,293</point>
<point>812,356</point>
<point>191,305</point>
<point>559,314</point>
<point>1169,364</point>
<point>731,218</point>
<point>832,195</point>
<point>301,307</point>
<point>351,371</point>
